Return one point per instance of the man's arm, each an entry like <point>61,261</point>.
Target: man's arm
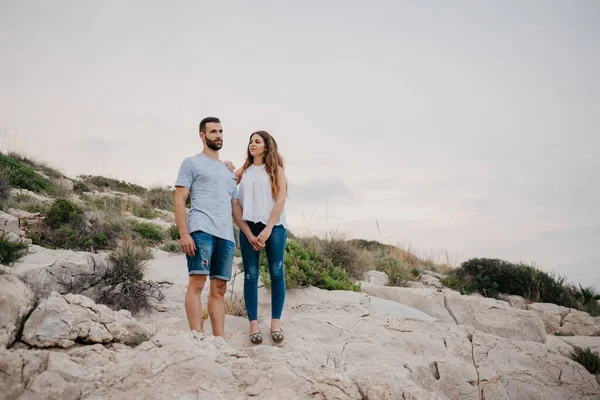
<point>186,242</point>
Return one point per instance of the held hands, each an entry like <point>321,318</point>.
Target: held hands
<point>188,246</point>
<point>254,242</point>
<point>264,236</point>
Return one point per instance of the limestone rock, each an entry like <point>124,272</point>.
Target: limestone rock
<point>377,278</point>
<point>431,279</point>
<point>61,271</point>
<point>566,321</point>
<point>495,317</point>
<point>16,301</point>
<point>583,342</point>
<point>61,321</point>
<point>9,224</point>
<point>514,300</point>
<point>526,370</point>
<point>428,301</point>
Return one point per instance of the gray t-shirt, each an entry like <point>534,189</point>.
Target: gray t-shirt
<point>212,187</point>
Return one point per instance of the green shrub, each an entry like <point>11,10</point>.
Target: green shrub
<point>124,286</point>
<point>452,282</point>
<point>79,187</point>
<point>174,232</point>
<point>148,231</point>
<point>492,276</point>
<point>11,252</point>
<point>161,198</point>
<point>588,297</point>
<point>21,176</point>
<point>342,253</point>
<point>98,240</point>
<point>63,212</point>
<point>304,268</point>
<point>171,246</point>
<point>51,172</point>
<point>65,238</point>
<point>589,359</point>
<point>144,211</point>
<point>127,262</point>
<point>4,186</point>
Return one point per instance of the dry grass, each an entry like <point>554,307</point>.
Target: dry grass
<point>342,252</point>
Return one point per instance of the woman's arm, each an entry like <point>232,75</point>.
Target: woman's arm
<point>277,208</point>
<point>238,175</point>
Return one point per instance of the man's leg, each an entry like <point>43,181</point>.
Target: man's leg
<point>220,272</point>
<point>193,303</point>
<point>216,306</point>
<point>198,269</point>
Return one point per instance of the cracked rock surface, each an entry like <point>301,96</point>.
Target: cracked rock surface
<point>61,271</point>
<point>61,321</point>
<point>339,345</point>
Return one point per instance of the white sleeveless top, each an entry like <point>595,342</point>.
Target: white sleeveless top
<point>255,196</point>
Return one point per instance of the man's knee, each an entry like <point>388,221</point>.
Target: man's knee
<point>196,283</point>
<point>218,287</point>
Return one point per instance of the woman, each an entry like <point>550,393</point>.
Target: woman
<point>263,191</point>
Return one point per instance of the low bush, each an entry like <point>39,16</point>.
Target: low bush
<point>144,211</point>
<point>64,212</point>
<point>22,176</point>
<point>492,276</point>
<point>148,231</point>
<point>11,252</point>
<point>124,278</point>
<point>342,253</point>
<point>303,267</point>
<point>80,187</point>
<point>397,274</point>
<point>589,359</point>
<point>172,246</point>
<point>4,186</point>
<point>161,198</point>
<point>44,167</point>
<point>174,232</point>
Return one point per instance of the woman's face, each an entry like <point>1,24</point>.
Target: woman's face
<point>256,146</point>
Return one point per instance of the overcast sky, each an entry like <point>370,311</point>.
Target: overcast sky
<point>466,128</point>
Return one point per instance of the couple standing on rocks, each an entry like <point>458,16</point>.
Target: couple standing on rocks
<point>207,236</point>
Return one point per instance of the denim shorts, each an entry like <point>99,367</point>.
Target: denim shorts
<point>213,256</point>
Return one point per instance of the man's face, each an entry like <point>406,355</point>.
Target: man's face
<point>214,136</point>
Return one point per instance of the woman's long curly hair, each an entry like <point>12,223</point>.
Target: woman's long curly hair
<point>271,157</point>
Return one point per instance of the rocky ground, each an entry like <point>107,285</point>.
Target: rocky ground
<point>424,342</point>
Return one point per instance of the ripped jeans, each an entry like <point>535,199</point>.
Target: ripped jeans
<point>275,247</point>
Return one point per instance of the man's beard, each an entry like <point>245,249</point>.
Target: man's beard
<point>213,145</point>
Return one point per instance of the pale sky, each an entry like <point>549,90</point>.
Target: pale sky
<point>467,128</point>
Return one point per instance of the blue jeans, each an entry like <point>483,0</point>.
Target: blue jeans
<point>275,247</point>
<point>214,256</point>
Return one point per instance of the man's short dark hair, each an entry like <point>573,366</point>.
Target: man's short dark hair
<point>208,120</point>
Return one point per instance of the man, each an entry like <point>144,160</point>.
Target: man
<point>207,237</point>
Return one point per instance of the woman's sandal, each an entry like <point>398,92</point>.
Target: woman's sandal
<point>256,338</point>
<point>277,337</point>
